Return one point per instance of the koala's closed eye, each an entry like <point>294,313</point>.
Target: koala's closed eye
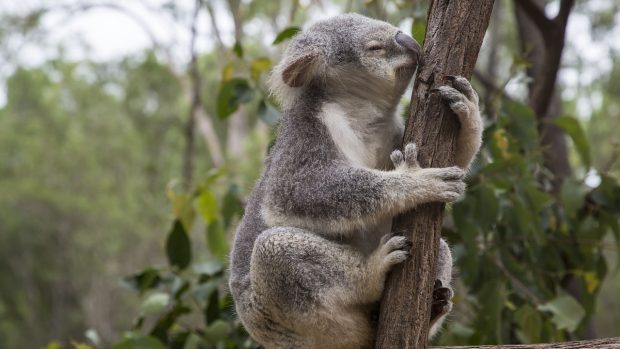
<point>375,47</point>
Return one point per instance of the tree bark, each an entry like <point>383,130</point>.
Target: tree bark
<point>606,343</point>
<point>454,34</point>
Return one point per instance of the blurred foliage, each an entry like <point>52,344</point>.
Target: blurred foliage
<point>516,244</point>
<point>91,157</point>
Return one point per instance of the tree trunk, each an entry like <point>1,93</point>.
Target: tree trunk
<point>454,34</point>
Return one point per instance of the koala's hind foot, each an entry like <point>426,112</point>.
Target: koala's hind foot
<point>441,304</point>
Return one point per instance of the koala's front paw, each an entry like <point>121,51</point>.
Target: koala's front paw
<point>393,249</point>
<point>462,99</point>
<point>443,184</point>
<point>441,301</point>
<point>431,184</point>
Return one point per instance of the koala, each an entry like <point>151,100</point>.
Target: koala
<point>312,252</point>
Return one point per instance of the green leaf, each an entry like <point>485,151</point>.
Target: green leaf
<point>92,335</point>
<point>530,323</point>
<point>567,312</point>
<point>612,222</point>
<point>258,66</point>
<point>607,194</point>
<point>486,208</point>
<point>418,30</point>
<point>268,114</point>
<point>194,342</point>
<point>141,342</point>
<point>205,290</point>
<point>286,34</point>
<point>207,206</point>
<point>155,303</point>
<point>147,279</point>
<point>217,331</point>
<point>573,196</point>
<point>53,345</point>
<point>212,310</point>
<point>573,128</point>
<point>210,268</point>
<point>231,206</point>
<point>217,241</point>
<point>238,49</point>
<point>233,93</point>
<point>182,207</point>
<point>521,125</point>
<point>166,322</point>
<point>178,246</point>
<point>492,298</point>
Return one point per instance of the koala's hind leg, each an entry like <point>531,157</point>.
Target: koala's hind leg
<point>315,290</point>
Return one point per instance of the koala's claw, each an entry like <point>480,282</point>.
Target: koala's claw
<point>394,250</point>
<point>441,303</point>
<point>460,96</point>
<point>410,156</point>
<point>464,86</point>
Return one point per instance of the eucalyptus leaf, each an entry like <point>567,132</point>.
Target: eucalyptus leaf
<point>217,241</point>
<point>141,342</point>
<point>155,303</point>
<point>178,246</point>
<point>286,34</point>
<point>238,49</point>
<point>208,206</point>
<point>573,128</point>
<point>567,312</point>
<point>231,95</point>
<point>210,268</point>
<point>217,331</point>
<point>258,66</point>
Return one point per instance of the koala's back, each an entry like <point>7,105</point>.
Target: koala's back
<point>301,142</point>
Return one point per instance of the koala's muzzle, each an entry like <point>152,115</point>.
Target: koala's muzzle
<point>409,43</point>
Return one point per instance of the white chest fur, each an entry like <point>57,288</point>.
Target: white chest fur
<point>363,135</point>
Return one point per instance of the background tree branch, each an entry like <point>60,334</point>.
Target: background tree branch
<point>607,343</point>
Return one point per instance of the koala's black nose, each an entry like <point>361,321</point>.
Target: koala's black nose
<point>408,42</point>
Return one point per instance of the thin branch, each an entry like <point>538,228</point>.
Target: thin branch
<point>197,114</point>
<point>207,130</point>
<point>606,343</point>
<point>188,153</point>
<point>490,86</point>
<point>537,14</point>
<point>216,30</point>
<point>526,291</point>
<point>565,9</point>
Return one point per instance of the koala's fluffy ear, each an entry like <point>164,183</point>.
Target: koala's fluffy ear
<point>301,69</point>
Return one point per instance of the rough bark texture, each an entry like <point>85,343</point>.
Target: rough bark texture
<point>607,343</point>
<point>454,34</point>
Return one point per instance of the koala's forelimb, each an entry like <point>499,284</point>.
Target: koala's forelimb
<point>463,100</point>
<point>340,199</point>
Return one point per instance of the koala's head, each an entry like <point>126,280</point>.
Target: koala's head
<point>347,54</point>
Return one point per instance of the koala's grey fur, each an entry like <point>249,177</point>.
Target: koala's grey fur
<point>311,254</point>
